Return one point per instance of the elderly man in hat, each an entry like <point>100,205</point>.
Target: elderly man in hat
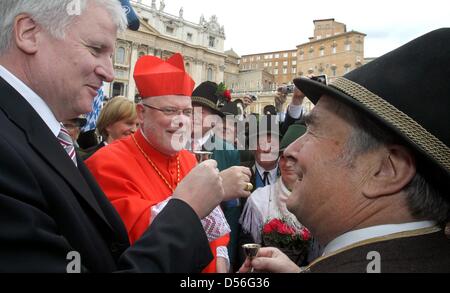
<point>139,174</point>
<point>374,166</point>
<point>212,111</point>
<point>269,202</point>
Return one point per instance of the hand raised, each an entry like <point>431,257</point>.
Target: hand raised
<point>202,188</point>
<point>270,259</point>
<point>235,181</point>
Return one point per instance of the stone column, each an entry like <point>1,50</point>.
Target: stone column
<point>131,83</point>
<point>220,75</point>
<point>107,89</point>
<point>197,68</point>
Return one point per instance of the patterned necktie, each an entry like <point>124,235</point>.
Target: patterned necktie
<point>66,141</point>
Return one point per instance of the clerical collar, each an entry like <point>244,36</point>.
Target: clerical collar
<point>356,236</point>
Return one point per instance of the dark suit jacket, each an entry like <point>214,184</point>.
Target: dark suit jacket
<point>92,150</point>
<point>428,253</point>
<point>49,208</point>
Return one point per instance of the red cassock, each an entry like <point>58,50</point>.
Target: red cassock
<point>134,186</point>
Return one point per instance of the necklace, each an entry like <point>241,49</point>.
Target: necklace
<point>156,168</point>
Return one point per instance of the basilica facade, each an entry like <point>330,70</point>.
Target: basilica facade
<point>162,34</point>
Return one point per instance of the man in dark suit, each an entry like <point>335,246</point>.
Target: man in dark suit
<point>265,173</point>
<point>53,215</point>
<point>374,166</point>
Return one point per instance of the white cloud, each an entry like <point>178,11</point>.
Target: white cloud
<point>256,26</point>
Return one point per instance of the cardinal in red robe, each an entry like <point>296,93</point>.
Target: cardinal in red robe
<point>140,173</point>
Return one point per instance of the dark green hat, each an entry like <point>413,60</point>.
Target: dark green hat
<point>292,134</point>
<point>206,95</point>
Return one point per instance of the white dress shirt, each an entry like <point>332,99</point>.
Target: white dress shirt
<point>273,174</point>
<point>295,111</point>
<point>33,99</point>
<point>264,204</point>
<point>356,236</point>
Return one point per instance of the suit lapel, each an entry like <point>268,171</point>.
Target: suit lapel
<point>45,144</point>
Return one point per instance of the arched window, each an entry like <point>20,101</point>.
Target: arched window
<point>188,67</point>
<point>120,55</point>
<point>210,74</point>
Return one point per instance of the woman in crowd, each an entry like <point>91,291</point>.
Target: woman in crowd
<point>117,119</point>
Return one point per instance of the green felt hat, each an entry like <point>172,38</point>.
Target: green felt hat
<point>293,133</point>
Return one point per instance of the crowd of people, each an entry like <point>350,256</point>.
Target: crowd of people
<point>366,171</point>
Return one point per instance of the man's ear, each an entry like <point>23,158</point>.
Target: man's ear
<point>140,113</point>
<point>25,33</point>
<point>394,168</point>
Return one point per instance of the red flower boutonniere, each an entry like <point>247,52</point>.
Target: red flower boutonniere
<point>223,92</point>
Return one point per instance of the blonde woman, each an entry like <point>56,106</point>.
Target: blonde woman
<point>117,119</point>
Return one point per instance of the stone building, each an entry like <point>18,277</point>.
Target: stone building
<point>162,34</point>
<point>331,51</point>
<point>282,64</point>
<point>231,73</point>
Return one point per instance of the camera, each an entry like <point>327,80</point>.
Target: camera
<point>321,78</point>
<point>286,89</point>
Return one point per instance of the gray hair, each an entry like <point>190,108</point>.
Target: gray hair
<point>54,15</point>
<point>425,200</point>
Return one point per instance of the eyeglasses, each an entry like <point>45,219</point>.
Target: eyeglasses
<point>171,111</point>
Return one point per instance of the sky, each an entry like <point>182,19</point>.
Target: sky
<point>258,26</point>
